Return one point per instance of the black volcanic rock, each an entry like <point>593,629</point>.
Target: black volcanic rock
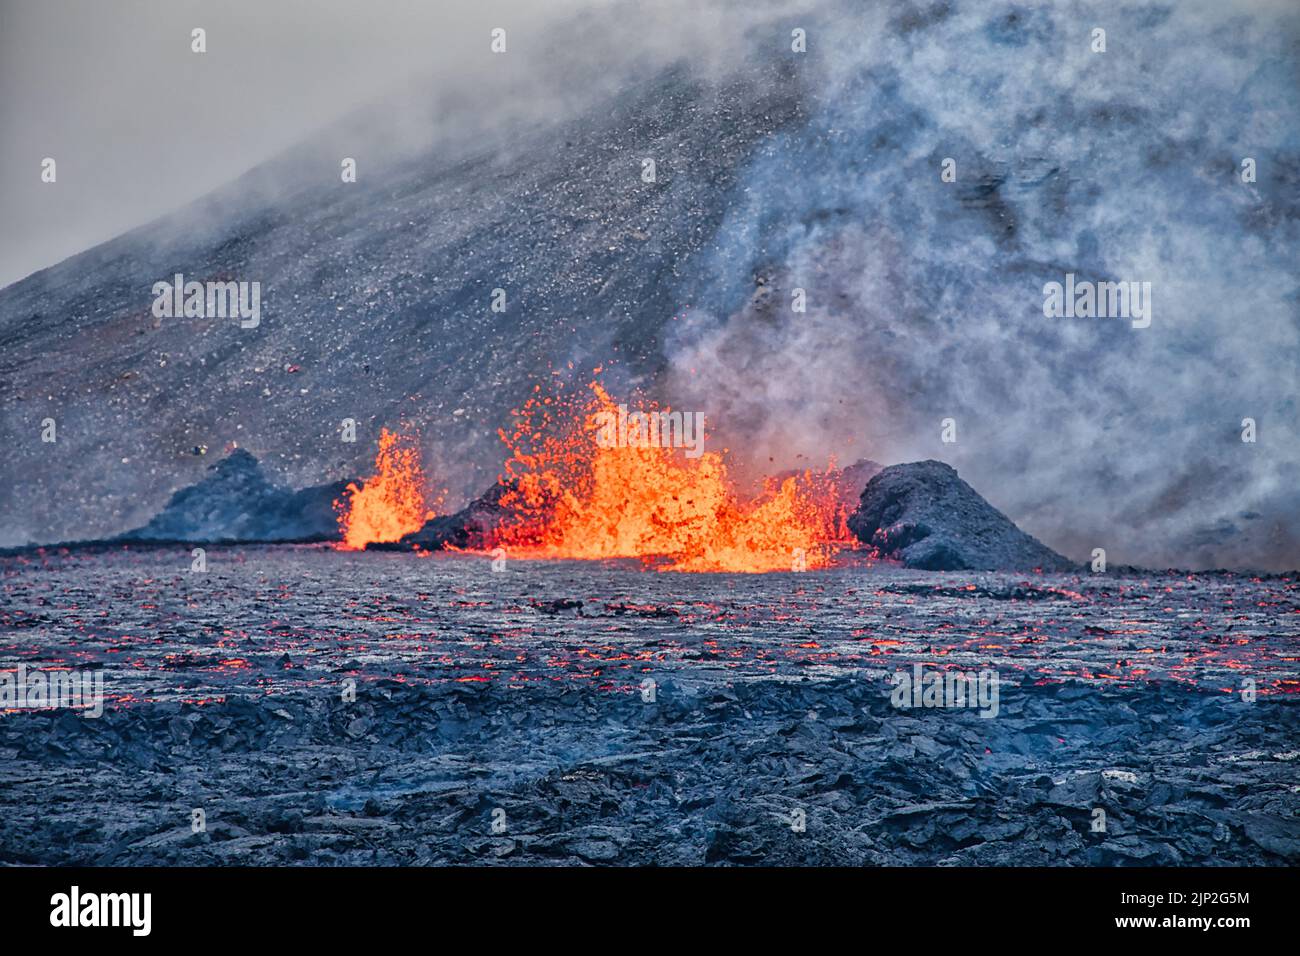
<point>470,527</point>
<point>236,502</point>
<point>924,515</point>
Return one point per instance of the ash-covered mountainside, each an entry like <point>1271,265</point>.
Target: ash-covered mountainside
<point>376,305</point>
<point>925,516</point>
<point>914,180</point>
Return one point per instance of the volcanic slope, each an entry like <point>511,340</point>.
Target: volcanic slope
<point>376,304</point>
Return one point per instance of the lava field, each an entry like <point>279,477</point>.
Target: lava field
<point>322,707</point>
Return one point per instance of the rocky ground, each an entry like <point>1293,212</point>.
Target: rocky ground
<point>509,718</point>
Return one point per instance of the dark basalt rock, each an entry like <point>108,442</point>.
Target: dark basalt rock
<point>925,516</point>
<point>236,502</point>
<point>471,527</point>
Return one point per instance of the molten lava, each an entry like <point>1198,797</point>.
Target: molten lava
<point>573,496</point>
<point>391,502</point>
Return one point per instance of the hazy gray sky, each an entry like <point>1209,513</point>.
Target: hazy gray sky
<point>138,124</point>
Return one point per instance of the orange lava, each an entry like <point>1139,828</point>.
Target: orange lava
<point>576,498</point>
<point>391,502</point>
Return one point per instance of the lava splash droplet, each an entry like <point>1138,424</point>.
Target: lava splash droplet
<point>390,503</point>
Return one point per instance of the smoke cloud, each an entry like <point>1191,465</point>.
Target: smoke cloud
<point>925,298</point>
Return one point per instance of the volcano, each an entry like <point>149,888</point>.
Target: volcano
<point>376,300</point>
<point>449,279</point>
